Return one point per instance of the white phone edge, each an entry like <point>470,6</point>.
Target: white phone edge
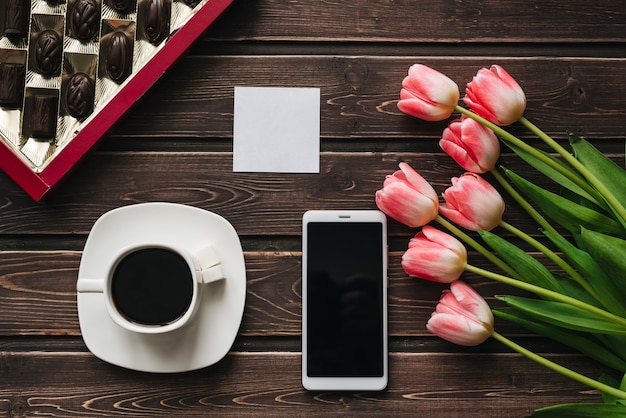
<point>345,383</point>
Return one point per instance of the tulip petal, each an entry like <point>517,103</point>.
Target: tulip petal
<point>472,301</point>
<point>496,96</point>
<point>473,203</point>
<point>433,85</point>
<point>434,264</point>
<point>461,156</point>
<point>458,218</point>
<point>404,205</point>
<point>428,94</point>
<point>457,329</point>
<point>408,198</point>
<point>418,182</point>
<point>445,240</point>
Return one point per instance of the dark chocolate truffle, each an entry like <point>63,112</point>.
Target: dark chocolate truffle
<point>48,52</point>
<point>12,78</point>
<point>43,120</point>
<point>156,20</point>
<point>16,18</point>
<point>122,6</point>
<point>118,56</point>
<point>85,19</point>
<point>79,96</point>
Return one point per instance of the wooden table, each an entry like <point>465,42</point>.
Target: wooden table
<point>176,146</point>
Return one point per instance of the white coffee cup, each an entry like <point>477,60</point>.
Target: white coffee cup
<point>154,288</point>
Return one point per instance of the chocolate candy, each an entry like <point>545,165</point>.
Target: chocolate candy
<point>12,78</point>
<point>156,23</point>
<point>16,18</point>
<point>79,96</point>
<point>48,52</point>
<point>85,19</point>
<point>43,121</point>
<point>122,6</point>
<point>118,57</point>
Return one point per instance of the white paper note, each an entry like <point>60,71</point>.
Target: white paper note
<point>276,129</point>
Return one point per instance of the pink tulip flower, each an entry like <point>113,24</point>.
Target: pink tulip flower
<point>473,203</point>
<point>462,316</point>
<point>434,255</point>
<point>472,145</point>
<point>496,96</point>
<point>408,198</point>
<point>428,94</point>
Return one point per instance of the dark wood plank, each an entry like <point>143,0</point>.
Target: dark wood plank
<point>175,146</point>
<point>424,21</point>
<point>268,384</point>
<point>257,204</point>
<point>359,94</point>
<point>38,295</point>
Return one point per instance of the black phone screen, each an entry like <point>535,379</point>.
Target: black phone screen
<point>345,287</point>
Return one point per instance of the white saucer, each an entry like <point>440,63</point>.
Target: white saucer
<point>211,333</point>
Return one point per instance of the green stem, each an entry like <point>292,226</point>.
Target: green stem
<point>524,203</point>
<point>593,180</point>
<point>547,294</point>
<point>546,226</point>
<point>554,257</point>
<point>508,137</point>
<point>476,245</point>
<point>560,369</point>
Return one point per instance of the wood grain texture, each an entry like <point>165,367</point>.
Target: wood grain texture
<point>425,21</point>
<point>268,384</point>
<point>359,94</point>
<point>257,204</point>
<point>176,146</point>
<point>39,295</point>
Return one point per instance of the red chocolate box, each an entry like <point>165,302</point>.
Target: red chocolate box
<point>69,69</point>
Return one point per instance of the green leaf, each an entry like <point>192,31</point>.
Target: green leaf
<point>579,341</point>
<point>612,296</point>
<point>529,269</point>
<point>616,343</point>
<point>609,381</point>
<point>576,291</point>
<point>611,175</point>
<point>556,176</point>
<point>582,410</point>
<point>566,213</point>
<point>608,252</point>
<point>569,195</point>
<point>564,315</point>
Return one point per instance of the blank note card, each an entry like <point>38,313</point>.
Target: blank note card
<point>276,129</point>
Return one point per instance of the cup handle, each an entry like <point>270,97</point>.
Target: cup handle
<point>90,285</point>
<point>209,264</point>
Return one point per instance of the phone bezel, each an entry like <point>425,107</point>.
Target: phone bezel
<point>340,382</point>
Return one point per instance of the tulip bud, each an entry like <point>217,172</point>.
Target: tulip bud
<point>434,255</point>
<point>462,316</point>
<point>408,198</point>
<point>472,145</point>
<point>473,203</point>
<point>428,94</point>
<point>496,96</point>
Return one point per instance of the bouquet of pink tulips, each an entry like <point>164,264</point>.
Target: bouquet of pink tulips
<point>583,304</point>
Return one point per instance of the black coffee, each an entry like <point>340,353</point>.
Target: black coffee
<point>152,286</point>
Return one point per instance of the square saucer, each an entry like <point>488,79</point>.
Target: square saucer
<point>212,331</point>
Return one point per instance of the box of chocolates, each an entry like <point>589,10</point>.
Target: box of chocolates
<point>70,69</point>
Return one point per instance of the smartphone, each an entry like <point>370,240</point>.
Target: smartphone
<point>344,300</point>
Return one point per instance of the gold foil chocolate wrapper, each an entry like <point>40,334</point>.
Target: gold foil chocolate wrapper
<point>78,88</point>
<point>61,61</point>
